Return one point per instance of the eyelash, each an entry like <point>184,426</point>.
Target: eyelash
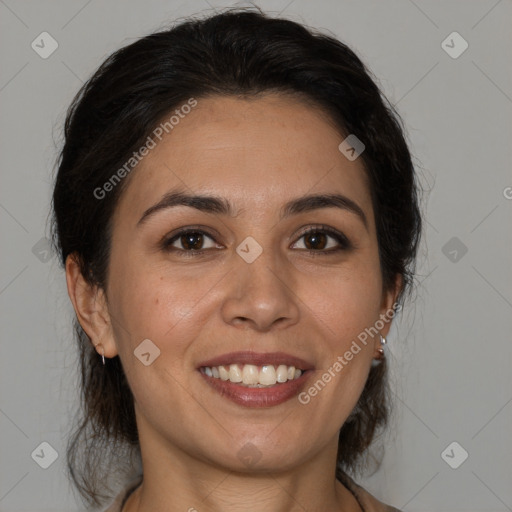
<point>343,241</point>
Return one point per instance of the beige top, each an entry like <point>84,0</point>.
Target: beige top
<point>368,502</point>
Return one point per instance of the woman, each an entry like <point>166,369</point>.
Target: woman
<point>236,210</point>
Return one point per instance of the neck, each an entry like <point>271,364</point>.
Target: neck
<point>175,481</point>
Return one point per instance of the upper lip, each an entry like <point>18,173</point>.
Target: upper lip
<point>257,359</point>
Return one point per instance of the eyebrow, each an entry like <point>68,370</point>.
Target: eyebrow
<point>219,205</point>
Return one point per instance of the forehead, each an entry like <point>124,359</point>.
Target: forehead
<point>258,152</point>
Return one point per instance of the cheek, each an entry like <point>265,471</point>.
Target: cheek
<point>346,304</point>
<point>345,308</point>
<point>169,309</point>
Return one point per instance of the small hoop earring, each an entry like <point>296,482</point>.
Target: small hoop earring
<point>102,354</point>
<point>380,350</point>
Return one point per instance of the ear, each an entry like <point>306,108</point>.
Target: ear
<point>89,302</point>
<point>389,299</point>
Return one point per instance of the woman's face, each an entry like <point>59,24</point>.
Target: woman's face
<point>246,285</point>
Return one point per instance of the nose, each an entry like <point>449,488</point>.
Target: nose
<point>260,295</point>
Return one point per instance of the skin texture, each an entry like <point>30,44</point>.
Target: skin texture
<point>257,154</point>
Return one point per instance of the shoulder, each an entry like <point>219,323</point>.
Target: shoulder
<point>119,500</point>
<point>369,502</point>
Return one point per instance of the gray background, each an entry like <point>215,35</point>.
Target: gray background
<point>450,351</point>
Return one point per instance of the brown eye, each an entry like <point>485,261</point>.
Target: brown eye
<point>315,240</point>
<point>192,241</point>
<point>323,240</point>
<point>189,241</point>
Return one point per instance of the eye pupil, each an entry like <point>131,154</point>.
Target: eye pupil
<point>311,239</point>
<point>192,241</point>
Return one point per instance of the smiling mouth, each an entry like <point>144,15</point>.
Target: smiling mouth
<point>253,376</point>
<point>256,380</point>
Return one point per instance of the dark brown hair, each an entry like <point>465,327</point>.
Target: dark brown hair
<point>242,53</point>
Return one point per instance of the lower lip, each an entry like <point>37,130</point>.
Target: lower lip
<point>258,397</point>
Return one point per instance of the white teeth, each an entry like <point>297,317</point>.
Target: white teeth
<point>282,373</point>
<point>250,374</point>
<point>268,375</point>
<point>235,375</point>
<point>254,376</point>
